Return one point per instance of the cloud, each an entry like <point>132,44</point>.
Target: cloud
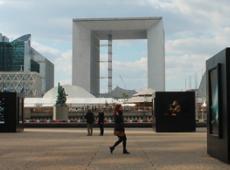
<point>62,61</point>
<point>125,73</point>
<point>194,30</point>
<point>63,69</point>
<point>192,52</point>
<point>46,50</point>
<point>140,64</point>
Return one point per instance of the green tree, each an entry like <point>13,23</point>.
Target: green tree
<point>61,97</point>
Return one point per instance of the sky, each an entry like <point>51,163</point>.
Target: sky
<point>194,31</point>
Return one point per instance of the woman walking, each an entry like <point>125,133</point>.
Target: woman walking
<point>119,129</point>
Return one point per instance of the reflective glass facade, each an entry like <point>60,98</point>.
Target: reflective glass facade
<point>12,55</point>
<point>35,66</point>
<point>6,56</point>
<point>18,55</point>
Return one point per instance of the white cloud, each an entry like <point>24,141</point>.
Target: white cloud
<point>129,75</point>
<point>62,61</point>
<point>216,12</point>
<point>140,64</point>
<point>16,4</point>
<point>195,30</point>
<point>190,53</point>
<point>127,68</point>
<point>46,50</point>
<point>63,69</point>
<point>160,4</point>
<point>60,22</point>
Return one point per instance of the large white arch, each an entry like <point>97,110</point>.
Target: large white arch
<point>88,32</point>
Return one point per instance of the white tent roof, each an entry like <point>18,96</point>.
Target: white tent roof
<point>71,91</point>
<point>145,92</point>
<point>85,101</point>
<point>49,102</point>
<point>38,102</point>
<point>139,99</point>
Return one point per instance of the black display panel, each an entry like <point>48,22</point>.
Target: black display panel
<point>215,100</point>
<point>2,111</point>
<point>11,112</point>
<point>175,111</point>
<point>218,105</point>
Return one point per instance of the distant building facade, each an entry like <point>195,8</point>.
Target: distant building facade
<point>3,38</point>
<point>26,83</point>
<point>19,56</point>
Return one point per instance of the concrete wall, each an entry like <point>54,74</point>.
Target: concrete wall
<point>86,51</point>
<point>85,63</point>
<point>49,75</point>
<point>95,65</point>
<point>81,60</point>
<point>156,57</point>
<point>27,56</point>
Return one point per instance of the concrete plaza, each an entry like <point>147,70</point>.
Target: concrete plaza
<point>72,149</point>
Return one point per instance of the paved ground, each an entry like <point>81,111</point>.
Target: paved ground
<point>72,149</point>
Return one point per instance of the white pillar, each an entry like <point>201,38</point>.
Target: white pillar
<point>156,57</point>
<point>81,60</point>
<point>95,65</point>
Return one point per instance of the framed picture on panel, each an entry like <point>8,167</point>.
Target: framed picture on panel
<point>214,82</point>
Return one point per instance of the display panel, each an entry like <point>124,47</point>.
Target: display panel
<point>218,105</point>
<point>11,120</point>
<point>175,111</point>
<point>2,110</point>
<point>214,104</point>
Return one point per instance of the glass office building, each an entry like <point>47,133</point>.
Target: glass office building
<point>18,55</point>
<point>6,56</point>
<point>14,56</point>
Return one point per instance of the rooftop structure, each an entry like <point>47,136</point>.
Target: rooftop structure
<point>71,91</point>
<point>26,83</point>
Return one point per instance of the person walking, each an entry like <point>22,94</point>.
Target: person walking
<point>90,121</point>
<point>101,118</point>
<point>119,129</point>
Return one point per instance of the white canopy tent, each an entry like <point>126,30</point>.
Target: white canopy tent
<point>145,92</point>
<point>76,96</point>
<point>139,99</point>
<point>50,102</point>
<point>142,96</point>
<point>38,102</point>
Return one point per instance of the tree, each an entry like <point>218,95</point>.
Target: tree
<point>61,98</point>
